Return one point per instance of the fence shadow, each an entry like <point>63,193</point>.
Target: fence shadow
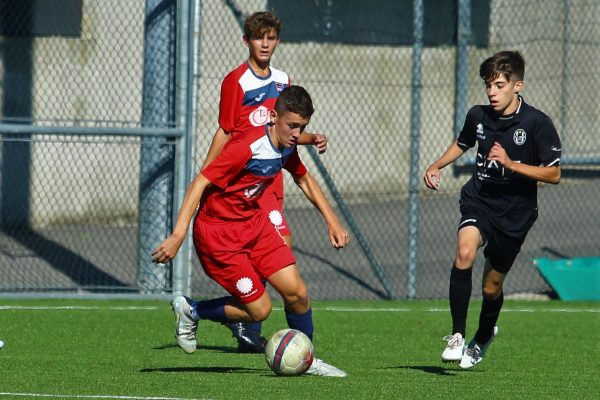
<point>379,293</point>
<point>62,259</point>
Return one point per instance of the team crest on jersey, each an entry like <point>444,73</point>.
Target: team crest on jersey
<point>480,134</point>
<point>519,137</point>
<point>279,86</point>
<point>260,116</point>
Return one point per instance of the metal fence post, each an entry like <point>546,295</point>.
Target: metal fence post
<point>157,158</point>
<point>461,83</point>
<point>185,93</point>
<point>415,127</point>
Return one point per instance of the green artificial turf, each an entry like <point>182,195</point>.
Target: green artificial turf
<point>126,349</point>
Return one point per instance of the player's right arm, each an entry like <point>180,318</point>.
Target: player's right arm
<point>167,250</point>
<point>432,175</point>
<point>229,112</point>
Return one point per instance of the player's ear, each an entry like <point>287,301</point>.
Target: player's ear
<point>273,116</point>
<point>519,85</point>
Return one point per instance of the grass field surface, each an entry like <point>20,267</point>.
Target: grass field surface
<point>122,349</point>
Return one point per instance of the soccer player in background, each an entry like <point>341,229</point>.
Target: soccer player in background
<point>248,93</point>
<point>237,245</point>
<point>518,146</point>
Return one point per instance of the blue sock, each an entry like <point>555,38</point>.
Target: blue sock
<point>254,326</point>
<point>213,310</point>
<point>301,322</point>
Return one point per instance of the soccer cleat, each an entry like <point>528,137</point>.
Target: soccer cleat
<point>249,341</point>
<point>454,349</point>
<point>185,325</point>
<point>321,368</point>
<point>474,352</point>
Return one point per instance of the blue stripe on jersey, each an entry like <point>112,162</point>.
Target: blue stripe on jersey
<point>266,159</point>
<point>269,167</point>
<point>256,97</point>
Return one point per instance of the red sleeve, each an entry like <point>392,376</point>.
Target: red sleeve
<point>228,164</point>
<point>294,164</point>
<point>230,104</point>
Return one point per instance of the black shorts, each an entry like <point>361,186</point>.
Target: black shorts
<point>500,249</point>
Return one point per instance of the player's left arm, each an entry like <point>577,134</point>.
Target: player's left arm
<point>547,174</point>
<point>318,140</point>
<point>338,235</point>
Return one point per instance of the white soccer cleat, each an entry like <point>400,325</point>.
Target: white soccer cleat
<point>321,368</point>
<point>474,352</point>
<point>454,349</point>
<point>185,325</point>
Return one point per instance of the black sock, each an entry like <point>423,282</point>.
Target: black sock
<point>490,310</point>
<point>460,294</point>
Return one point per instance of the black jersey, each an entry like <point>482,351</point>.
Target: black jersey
<point>529,137</point>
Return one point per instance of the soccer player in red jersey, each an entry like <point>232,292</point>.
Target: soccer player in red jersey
<point>237,244</point>
<point>248,94</point>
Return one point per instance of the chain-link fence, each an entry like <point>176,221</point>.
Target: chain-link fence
<point>82,202</point>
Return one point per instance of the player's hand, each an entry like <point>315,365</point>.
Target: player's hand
<point>320,142</point>
<point>167,250</point>
<point>432,178</point>
<point>338,236</point>
<point>497,153</point>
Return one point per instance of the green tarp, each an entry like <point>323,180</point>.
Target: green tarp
<point>572,278</point>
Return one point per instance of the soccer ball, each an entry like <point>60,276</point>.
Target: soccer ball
<point>289,352</point>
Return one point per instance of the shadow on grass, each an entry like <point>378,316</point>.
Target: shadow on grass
<point>430,369</point>
<point>217,370</point>
<point>220,349</point>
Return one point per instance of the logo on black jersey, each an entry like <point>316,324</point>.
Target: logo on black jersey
<point>480,134</point>
<point>519,137</point>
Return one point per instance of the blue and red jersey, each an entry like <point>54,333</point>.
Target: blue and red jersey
<point>247,99</point>
<point>248,164</point>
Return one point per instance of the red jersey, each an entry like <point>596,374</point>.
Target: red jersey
<point>246,99</point>
<point>247,166</point>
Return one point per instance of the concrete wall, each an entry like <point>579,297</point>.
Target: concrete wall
<point>362,97</point>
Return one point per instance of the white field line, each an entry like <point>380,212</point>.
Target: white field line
<point>112,308</point>
<point>350,309</point>
<point>92,396</point>
<point>333,309</point>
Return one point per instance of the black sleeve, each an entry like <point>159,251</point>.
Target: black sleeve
<point>548,146</point>
<point>466,138</point>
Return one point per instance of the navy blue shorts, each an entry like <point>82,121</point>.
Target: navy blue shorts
<point>500,249</point>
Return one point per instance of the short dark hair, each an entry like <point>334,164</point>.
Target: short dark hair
<point>510,64</point>
<point>294,99</point>
<point>259,23</point>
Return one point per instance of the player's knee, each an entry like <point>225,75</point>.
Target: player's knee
<point>260,313</point>
<point>465,255</point>
<point>298,297</point>
<point>491,290</point>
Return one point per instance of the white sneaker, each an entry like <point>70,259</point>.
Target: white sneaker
<point>454,349</point>
<point>185,325</point>
<point>321,368</point>
<point>474,352</point>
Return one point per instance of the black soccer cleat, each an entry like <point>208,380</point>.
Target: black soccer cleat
<point>249,341</point>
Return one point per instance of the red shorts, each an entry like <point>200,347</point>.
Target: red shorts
<point>271,202</point>
<point>239,255</point>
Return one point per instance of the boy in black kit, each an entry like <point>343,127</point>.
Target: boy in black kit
<point>517,147</point>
